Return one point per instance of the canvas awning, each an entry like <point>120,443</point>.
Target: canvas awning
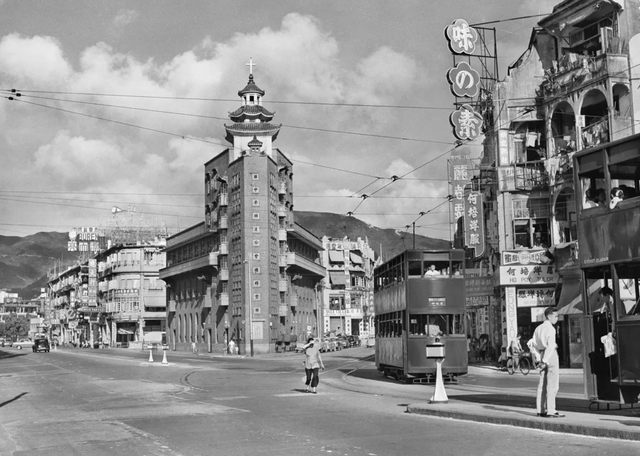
<point>570,302</point>
<point>355,258</point>
<point>336,257</point>
<point>337,278</point>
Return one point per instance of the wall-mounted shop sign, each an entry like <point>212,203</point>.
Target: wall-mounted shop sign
<point>524,257</point>
<point>528,275</point>
<point>464,80</point>
<point>535,297</point>
<point>466,123</point>
<point>462,37</point>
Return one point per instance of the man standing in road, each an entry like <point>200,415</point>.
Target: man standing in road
<point>544,340</point>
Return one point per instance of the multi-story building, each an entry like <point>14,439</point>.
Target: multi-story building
<point>248,272</point>
<point>131,304</point>
<point>347,295</point>
<point>64,293</point>
<point>571,89</point>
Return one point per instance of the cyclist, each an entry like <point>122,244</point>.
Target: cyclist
<point>515,350</point>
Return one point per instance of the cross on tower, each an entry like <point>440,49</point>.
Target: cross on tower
<point>251,65</point>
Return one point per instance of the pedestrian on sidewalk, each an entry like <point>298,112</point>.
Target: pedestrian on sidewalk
<point>544,341</point>
<point>312,363</point>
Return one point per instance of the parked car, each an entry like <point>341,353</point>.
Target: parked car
<point>23,343</point>
<point>371,342</point>
<point>41,345</point>
<point>341,342</point>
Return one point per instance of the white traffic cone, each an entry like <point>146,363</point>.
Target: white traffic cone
<point>150,356</point>
<point>439,395</point>
<point>164,357</point>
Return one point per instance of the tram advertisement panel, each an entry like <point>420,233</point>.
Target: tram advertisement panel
<point>610,237</point>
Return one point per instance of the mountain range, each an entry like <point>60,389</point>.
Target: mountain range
<point>25,261</point>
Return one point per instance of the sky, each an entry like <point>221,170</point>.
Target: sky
<point>122,103</point>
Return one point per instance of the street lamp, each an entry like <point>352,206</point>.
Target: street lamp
<point>250,306</point>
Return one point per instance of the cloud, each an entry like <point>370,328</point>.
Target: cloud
<point>298,61</point>
<point>125,17</point>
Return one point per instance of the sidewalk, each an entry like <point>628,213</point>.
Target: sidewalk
<point>512,407</point>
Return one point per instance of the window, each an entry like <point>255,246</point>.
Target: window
<point>531,223</point>
<point>436,325</point>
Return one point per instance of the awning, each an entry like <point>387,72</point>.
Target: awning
<point>355,259</point>
<point>336,257</point>
<point>338,278</point>
<point>570,302</point>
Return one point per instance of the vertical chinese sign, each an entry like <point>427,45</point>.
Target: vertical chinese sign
<point>464,81</point>
<point>93,283</point>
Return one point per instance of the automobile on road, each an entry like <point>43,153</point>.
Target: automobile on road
<point>371,342</point>
<point>23,343</point>
<point>41,345</point>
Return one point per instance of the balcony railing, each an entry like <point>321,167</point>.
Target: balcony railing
<point>223,199</point>
<point>224,299</point>
<point>224,248</point>
<point>283,260</point>
<point>282,234</point>
<point>224,274</point>
<point>531,175</point>
<point>213,258</point>
<point>282,210</point>
<point>283,285</point>
<point>224,222</point>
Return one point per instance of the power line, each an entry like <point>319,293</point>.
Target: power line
<point>508,20</point>
<point>231,100</point>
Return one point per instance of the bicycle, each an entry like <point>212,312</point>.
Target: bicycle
<point>522,362</point>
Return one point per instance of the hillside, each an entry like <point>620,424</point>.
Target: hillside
<point>24,261</point>
<point>339,226</point>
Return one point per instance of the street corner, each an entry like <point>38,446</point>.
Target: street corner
<point>609,426</point>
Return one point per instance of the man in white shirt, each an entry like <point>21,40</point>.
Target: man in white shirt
<point>431,271</point>
<point>544,340</point>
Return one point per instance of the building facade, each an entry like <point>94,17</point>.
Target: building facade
<point>570,90</point>
<point>248,273</point>
<point>347,295</point>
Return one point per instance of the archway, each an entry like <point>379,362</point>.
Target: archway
<point>563,128</point>
<point>594,112</point>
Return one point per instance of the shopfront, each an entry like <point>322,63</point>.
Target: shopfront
<point>528,281</point>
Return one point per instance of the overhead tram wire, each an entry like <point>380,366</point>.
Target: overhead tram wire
<point>231,100</point>
<point>200,116</point>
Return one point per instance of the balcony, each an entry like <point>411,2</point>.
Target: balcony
<point>153,315</point>
<point>207,302</point>
<point>224,222</point>
<point>596,133</point>
<point>293,300</point>
<point>223,199</point>
<point>282,189</point>
<point>172,306</point>
<point>282,234</point>
<point>187,266</point>
<point>531,176</point>
<point>224,248</point>
<point>224,300</point>
<point>213,259</point>
<point>283,260</point>
<point>283,285</point>
<point>577,71</point>
<point>297,260</point>
<point>282,210</point>
<point>224,274</point>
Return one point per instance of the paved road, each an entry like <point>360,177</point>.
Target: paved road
<point>99,402</point>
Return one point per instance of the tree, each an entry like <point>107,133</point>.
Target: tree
<point>14,326</point>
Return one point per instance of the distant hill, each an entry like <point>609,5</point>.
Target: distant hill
<point>24,261</point>
<point>339,226</point>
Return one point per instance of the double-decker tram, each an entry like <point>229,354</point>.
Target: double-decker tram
<point>609,252</point>
<point>419,299</point>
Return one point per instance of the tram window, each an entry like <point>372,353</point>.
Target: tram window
<point>415,268</point>
<point>437,325</point>
<point>628,303</point>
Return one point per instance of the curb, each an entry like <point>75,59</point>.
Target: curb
<point>534,422</point>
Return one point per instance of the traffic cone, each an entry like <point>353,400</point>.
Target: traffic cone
<point>439,395</point>
<point>150,356</point>
<point>164,357</point>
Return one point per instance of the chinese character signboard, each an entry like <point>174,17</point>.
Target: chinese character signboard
<point>466,123</point>
<point>93,283</point>
<point>460,175</point>
<point>461,37</point>
<point>478,286</point>
<point>524,257</point>
<point>535,297</point>
<point>86,239</point>
<point>474,222</point>
<point>528,275</point>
